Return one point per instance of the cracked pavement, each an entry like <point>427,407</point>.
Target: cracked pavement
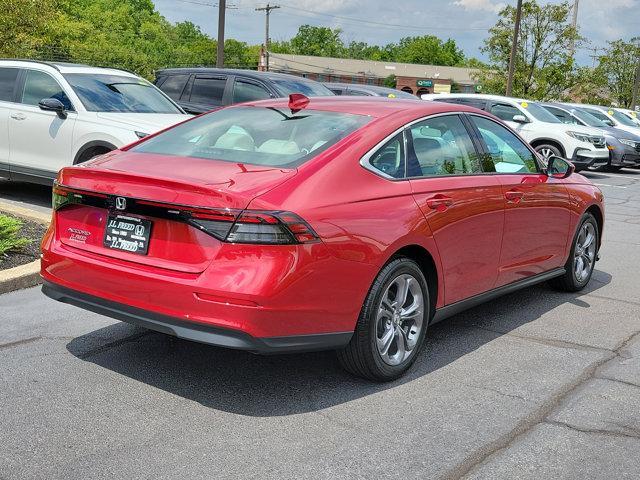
<point>537,384</point>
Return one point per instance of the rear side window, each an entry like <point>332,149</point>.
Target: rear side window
<point>255,135</point>
<point>390,158</point>
<point>441,146</point>
<point>8,77</point>
<point>39,85</point>
<point>247,92</point>
<point>173,85</point>
<point>208,90</point>
<point>505,112</point>
<point>506,153</point>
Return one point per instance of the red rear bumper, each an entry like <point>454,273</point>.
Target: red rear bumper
<point>258,294</point>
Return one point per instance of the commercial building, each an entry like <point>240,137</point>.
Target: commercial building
<point>412,78</point>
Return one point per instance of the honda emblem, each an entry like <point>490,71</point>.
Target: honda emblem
<point>121,203</point>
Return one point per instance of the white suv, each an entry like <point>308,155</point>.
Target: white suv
<point>584,146</point>
<point>54,115</point>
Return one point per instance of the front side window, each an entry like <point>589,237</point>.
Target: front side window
<point>119,93</point>
<point>563,116</point>
<point>441,146</point>
<point>8,78</point>
<point>390,159</point>
<point>506,152</point>
<point>174,85</point>
<point>504,112</point>
<point>208,90</point>
<point>622,118</point>
<point>255,135</point>
<point>40,85</point>
<point>600,116</point>
<point>247,92</point>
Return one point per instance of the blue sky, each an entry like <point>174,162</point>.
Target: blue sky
<point>466,21</point>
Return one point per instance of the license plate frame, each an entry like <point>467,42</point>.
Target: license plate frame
<point>127,234</point>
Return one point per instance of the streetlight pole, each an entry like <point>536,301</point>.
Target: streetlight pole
<point>514,49</point>
<point>222,10</point>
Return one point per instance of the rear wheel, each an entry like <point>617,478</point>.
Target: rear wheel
<point>582,259</point>
<point>392,324</point>
<point>91,153</point>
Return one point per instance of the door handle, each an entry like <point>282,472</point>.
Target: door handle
<point>439,202</point>
<point>18,116</point>
<point>514,196</point>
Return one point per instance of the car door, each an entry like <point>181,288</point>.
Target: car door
<point>537,207</point>
<point>204,92</point>
<point>41,141</point>
<point>8,90</point>
<point>463,206</point>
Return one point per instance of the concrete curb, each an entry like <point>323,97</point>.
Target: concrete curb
<point>20,277</point>
<point>28,275</point>
<point>27,213</point>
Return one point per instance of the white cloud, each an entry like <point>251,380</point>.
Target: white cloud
<point>482,5</point>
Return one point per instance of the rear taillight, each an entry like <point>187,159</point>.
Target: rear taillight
<point>257,227</point>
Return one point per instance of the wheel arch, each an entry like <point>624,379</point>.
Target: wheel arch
<point>427,264</point>
<point>92,144</point>
<point>597,213</point>
<point>542,141</point>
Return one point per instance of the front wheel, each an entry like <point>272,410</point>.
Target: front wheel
<point>392,324</point>
<point>547,151</point>
<point>582,259</point>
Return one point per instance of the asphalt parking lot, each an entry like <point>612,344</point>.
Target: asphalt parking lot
<point>538,384</point>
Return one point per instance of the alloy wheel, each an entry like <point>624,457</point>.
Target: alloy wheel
<point>400,319</point>
<point>585,252</point>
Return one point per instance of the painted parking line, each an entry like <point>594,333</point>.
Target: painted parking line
<point>607,185</point>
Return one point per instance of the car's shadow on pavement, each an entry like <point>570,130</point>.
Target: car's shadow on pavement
<point>247,384</point>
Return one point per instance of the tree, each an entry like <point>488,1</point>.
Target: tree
<point>544,65</point>
<point>317,41</point>
<point>25,26</point>
<point>617,67</point>
<point>428,50</point>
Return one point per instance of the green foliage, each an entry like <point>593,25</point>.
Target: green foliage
<point>616,69</point>
<point>544,62</point>
<point>390,81</point>
<point>10,239</point>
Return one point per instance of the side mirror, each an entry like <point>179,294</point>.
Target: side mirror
<point>558,167</point>
<point>520,119</point>
<point>611,123</point>
<point>53,105</point>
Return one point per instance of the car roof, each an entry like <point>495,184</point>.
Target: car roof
<point>363,87</point>
<point>232,71</point>
<point>480,96</point>
<point>377,107</point>
<point>65,67</point>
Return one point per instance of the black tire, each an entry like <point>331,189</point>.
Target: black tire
<point>91,153</point>
<point>613,168</point>
<point>361,356</point>
<point>569,281</point>
<point>544,147</point>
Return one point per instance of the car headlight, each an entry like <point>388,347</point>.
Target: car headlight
<point>629,142</point>
<point>141,134</point>
<point>583,137</point>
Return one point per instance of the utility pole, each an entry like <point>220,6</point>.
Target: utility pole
<point>595,55</point>
<point>222,10</point>
<point>514,48</point>
<point>574,24</point>
<point>635,101</point>
<point>267,11</point>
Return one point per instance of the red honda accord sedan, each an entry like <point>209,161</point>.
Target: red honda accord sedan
<point>327,223</point>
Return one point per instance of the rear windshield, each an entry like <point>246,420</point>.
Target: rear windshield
<point>255,135</point>
<point>287,86</point>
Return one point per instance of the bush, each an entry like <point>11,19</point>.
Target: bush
<point>10,240</point>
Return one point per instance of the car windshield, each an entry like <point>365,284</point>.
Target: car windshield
<point>622,118</point>
<point>287,86</point>
<point>119,93</point>
<point>255,135</point>
<point>587,118</point>
<point>540,113</point>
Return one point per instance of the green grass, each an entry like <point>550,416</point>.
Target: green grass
<point>10,239</point>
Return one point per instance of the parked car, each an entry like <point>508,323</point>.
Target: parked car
<point>611,117</point>
<point>200,90</point>
<point>418,210</point>
<point>632,114</point>
<point>624,147</point>
<point>584,146</point>
<point>357,89</point>
<point>55,114</point>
